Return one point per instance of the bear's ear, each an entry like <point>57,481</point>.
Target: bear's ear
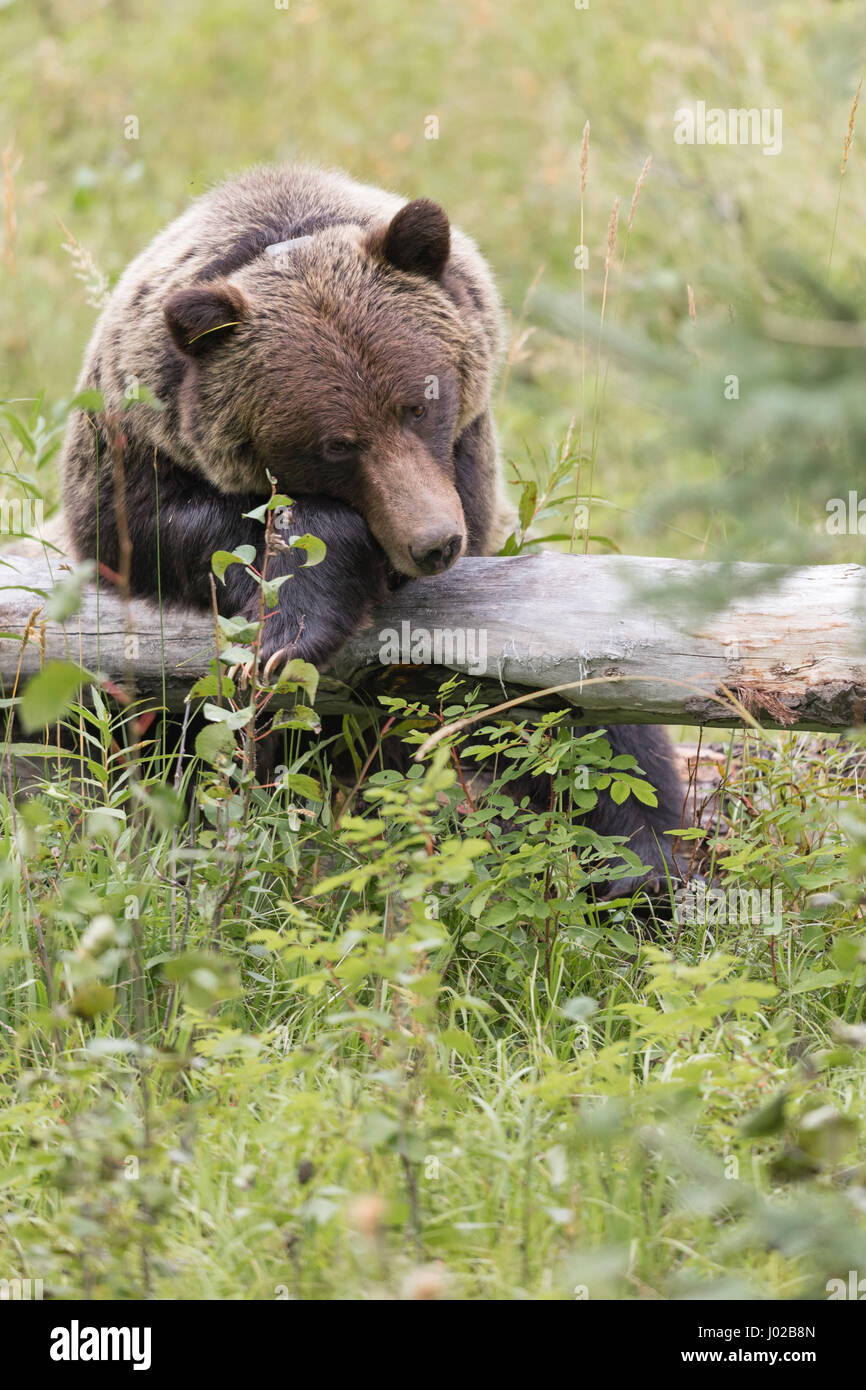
<point>418,239</point>
<point>202,316</point>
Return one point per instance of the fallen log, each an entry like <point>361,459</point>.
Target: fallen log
<point>620,633</point>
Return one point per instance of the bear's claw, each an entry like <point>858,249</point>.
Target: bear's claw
<point>276,658</point>
<point>241,673</point>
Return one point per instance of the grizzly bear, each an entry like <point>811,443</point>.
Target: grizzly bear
<point>297,323</point>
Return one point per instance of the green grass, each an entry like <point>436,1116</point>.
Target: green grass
<point>265,1052</point>
<point>282,1045</point>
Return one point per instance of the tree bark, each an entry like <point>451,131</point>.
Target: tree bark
<point>623,633</point>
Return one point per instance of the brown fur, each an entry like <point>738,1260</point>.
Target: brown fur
<point>355,367</point>
<point>330,339</point>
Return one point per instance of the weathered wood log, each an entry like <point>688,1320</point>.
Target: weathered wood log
<point>793,654</point>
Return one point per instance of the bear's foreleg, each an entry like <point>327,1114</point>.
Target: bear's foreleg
<point>319,606</point>
<point>176,521</point>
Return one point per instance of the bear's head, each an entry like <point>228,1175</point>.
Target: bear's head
<point>346,364</point>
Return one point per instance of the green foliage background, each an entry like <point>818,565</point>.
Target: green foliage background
<point>389,1046</point>
<point>217,85</point>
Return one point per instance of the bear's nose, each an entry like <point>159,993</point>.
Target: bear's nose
<point>435,553</point>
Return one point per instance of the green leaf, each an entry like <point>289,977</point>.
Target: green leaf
<point>238,629</point>
<point>302,785</point>
<point>378,1129</point>
<point>164,804</point>
<point>528,499</point>
<point>644,792</point>
<point>91,999</point>
<point>235,653</point>
<point>88,400</point>
<point>65,598</point>
<point>230,718</point>
<point>215,745</point>
<point>849,952</point>
<point>499,914</point>
<point>825,1134</point>
<point>272,505</point>
<point>271,589</point>
<point>23,435</point>
<point>205,976</point>
<point>49,694</point>
<point>315,548</point>
<point>298,717</point>
<point>299,674</point>
<point>212,685</point>
<point>143,395</point>
<point>459,1041</point>
<point>580,1008</point>
<point>817,979</point>
<point>221,559</point>
<point>768,1119</point>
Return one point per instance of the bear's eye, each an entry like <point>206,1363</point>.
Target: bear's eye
<point>418,412</point>
<point>339,449</point>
